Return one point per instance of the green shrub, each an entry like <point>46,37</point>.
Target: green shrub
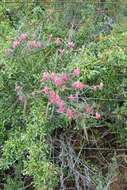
<point>98,48</point>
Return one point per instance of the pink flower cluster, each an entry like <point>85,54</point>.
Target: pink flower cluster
<point>34,44</point>
<point>78,85</point>
<point>57,80</point>
<point>45,90</point>
<point>55,99</point>
<point>62,80</point>
<point>15,44</point>
<point>70,45</point>
<point>89,110</point>
<point>72,97</point>
<point>98,116</point>
<point>18,41</point>
<point>70,113</point>
<point>23,37</point>
<point>31,43</point>
<point>76,72</point>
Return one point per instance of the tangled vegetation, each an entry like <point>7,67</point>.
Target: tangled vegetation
<point>63,94</point>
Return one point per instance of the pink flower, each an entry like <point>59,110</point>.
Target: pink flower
<point>76,72</point>
<point>45,76</point>
<point>58,41</point>
<point>39,44</point>
<point>53,76</point>
<point>34,44</point>
<point>45,90</point>
<point>23,37</point>
<point>70,45</point>
<point>89,109</point>
<point>98,116</point>
<point>53,97</point>
<point>72,97</point>
<point>58,82</point>
<point>69,113</point>
<point>61,105</point>
<point>78,85</point>
<point>16,43</point>
<point>61,109</point>
<point>64,77</point>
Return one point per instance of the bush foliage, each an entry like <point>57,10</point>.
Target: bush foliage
<point>58,38</point>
